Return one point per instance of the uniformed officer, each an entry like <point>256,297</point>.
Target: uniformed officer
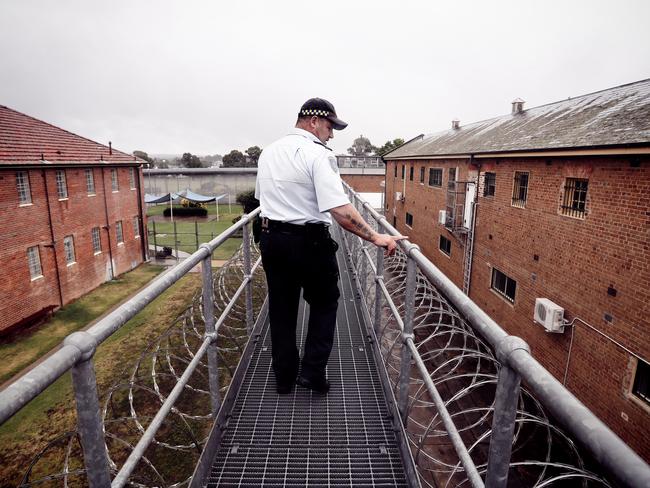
<point>300,190</point>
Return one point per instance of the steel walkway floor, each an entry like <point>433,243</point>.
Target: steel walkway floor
<point>344,438</point>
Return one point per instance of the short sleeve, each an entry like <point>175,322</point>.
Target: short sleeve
<point>327,184</point>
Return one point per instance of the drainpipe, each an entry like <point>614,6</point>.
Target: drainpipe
<point>108,227</point>
<point>143,234</point>
<point>470,257</point>
<point>53,245</point>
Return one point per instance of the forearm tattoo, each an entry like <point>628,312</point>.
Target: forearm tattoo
<point>359,227</point>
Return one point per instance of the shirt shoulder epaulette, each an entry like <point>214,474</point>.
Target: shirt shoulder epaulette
<point>321,144</point>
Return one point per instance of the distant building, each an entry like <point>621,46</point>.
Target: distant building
<point>71,217</point>
<point>348,161</point>
<point>550,202</point>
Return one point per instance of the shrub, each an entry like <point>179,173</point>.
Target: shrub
<point>186,212</point>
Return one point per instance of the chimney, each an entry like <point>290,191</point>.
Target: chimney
<point>517,106</point>
<point>455,124</point>
<point>110,147</point>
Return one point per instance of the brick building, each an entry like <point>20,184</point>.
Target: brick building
<point>550,202</point>
<point>71,217</point>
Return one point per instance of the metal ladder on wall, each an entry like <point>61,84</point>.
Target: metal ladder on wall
<point>468,252</point>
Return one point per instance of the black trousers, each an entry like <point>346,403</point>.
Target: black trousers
<point>294,261</point>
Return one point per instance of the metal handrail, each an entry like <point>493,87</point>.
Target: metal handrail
<point>79,347</point>
<point>516,363</point>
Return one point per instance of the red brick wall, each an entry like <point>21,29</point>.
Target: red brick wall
<point>577,260</point>
<point>365,183</point>
<point>25,226</point>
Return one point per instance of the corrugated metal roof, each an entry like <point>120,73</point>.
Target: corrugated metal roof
<point>25,140</point>
<point>613,117</point>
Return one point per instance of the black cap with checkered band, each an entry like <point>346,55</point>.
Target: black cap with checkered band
<point>320,107</point>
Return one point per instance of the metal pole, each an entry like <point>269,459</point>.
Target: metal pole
<point>364,263</point>
<point>155,243</point>
<point>247,276</point>
<point>196,233</point>
<point>89,421</point>
<point>208,316</point>
<point>176,241</point>
<point>407,333</point>
<point>505,412</point>
<point>379,277</point>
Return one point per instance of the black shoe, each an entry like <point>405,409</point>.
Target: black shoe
<point>284,388</point>
<point>319,386</point>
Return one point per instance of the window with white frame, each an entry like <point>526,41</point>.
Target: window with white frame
<point>641,385</point>
<point>22,185</point>
<point>445,245</point>
<point>97,240</point>
<point>409,219</point>
<point>489,184</point>
<point>61,184</point>
<point>136,227</point>
<point>574,201</point>
<point>132,178</point>
<point>119,232</point>
<point>115,185</point>
<point>68,248</point>
<point>435,176</point>
<point>422,171</point>
<point>520,189</point>
<point>34,262</point>
<point>503,285</point>
<point>90,181</point>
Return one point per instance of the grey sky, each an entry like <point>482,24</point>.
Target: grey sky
<point>211,76</point>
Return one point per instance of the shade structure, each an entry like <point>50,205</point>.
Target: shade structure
<point>148,198</point>
<point>188,194</point>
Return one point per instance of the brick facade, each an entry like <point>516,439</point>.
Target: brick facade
<point>365,183</point>
<point>22,226</point>
<point>573,261</point>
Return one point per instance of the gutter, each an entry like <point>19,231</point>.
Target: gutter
<point>49,218</point>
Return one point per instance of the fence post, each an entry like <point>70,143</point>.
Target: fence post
<point>407,333</point>
<point>247,276</point>
<point>208,316</point>
<point>505,413</point>
<point>89,421</point>
<point>155,244</point>
<point>175,240</point>
<point>196,233</point>
<point>364,263</point>
<point>379,278</point>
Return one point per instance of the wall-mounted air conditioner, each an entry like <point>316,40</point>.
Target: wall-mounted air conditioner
<point>442,217</point>
<point>549,314</point>
<point>398,196</point>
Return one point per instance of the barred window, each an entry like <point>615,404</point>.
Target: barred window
<point>34,262</point>
<point>136,226</point>
<point>575,197</point>
<point>409,219</point>
<point>68,247</point>
<point>61,185</point>
<point>119,232</point>
<point>97,240</point>
<point>115,185</point>
<point>395,170</point>
<point>520,189</point>
<point>435,177</point>
<point>422,171</point>
<point>22,185</point>
<point>452,176</point>
<point>489,184</point>
<point>641,386</point>
<point>132,178</point>
<point>403,171</point>
<point>504,285</point>
<point>411,173</point>
<point>90,181</point>
<point>445,245</point>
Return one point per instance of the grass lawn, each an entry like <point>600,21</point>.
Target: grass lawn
<point>21,349</point>
<point>52,412</point>
<point>235,209</point>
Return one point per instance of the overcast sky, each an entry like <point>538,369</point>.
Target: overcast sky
<point>211,76</point>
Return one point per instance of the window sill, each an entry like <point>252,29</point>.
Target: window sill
<point>115,191</point>
<point>444,253</point>
<point>572,217</point>
<point>63,199</point>
<point>35,278</point>
<point>133,189</point>
<point>503,297</point>
<point>92,195</point>
<point>120,244</point>
<point>136,237</point>
<point>30,204</point>
<point>435,187</point>
<point>97,253</point>
<point>71,264</point>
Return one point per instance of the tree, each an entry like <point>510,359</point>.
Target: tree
<point>234,159</point>
<point>189,160</point>
<point>253,153</point>
<point>389,146</point>
<point>361,147</point>
<point>143,155</point>
<point>248,201</point>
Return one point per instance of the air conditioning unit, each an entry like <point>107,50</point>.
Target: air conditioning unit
<point>398,196</point>
<point>442,217</point>
<point>549,314</point>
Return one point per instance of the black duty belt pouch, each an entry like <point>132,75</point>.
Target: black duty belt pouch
<point>257,228</point>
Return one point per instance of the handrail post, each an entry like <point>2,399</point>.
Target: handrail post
<point>364,263</point>
<point>208,316</point>
<point>407,333</point>
<point>89,421</point>
<point>247,275</point>
<point>379,276</point>
<point>505,413</point>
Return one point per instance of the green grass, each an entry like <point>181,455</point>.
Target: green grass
<point>21,349</point>
<point>235,209</point>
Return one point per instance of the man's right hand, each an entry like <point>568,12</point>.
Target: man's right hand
<point>388,242</point>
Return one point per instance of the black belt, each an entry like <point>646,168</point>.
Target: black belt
<point>308,228</point>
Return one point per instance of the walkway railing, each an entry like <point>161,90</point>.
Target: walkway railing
<point>78,349</point>
<point>513,362</point>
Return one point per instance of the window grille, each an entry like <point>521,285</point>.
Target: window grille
<point>136,227</point>
<point>422,171</point>
<point>22,185</point>
<point>504,285</point>
<point>68,247</point>
<point>119,232</point>
<point>61,185</point>
<point>452,176</point>
<point>445,245</point>
<point>34,262</point>
<point>97,241</point>
<point>435,177</point>
<point>489,184</point>
<point>575,197</point>
<point>90,181</point>
<point>641,387</point>
<point>520,189</point>
<point>115,185</point>
<point>409,219</point>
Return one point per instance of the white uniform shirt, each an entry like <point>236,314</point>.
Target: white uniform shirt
<point>298,180</point>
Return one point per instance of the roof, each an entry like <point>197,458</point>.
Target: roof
<point>26,140</point>
<point>618,116</point>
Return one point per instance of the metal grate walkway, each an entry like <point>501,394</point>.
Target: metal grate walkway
<point>344,438</point>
